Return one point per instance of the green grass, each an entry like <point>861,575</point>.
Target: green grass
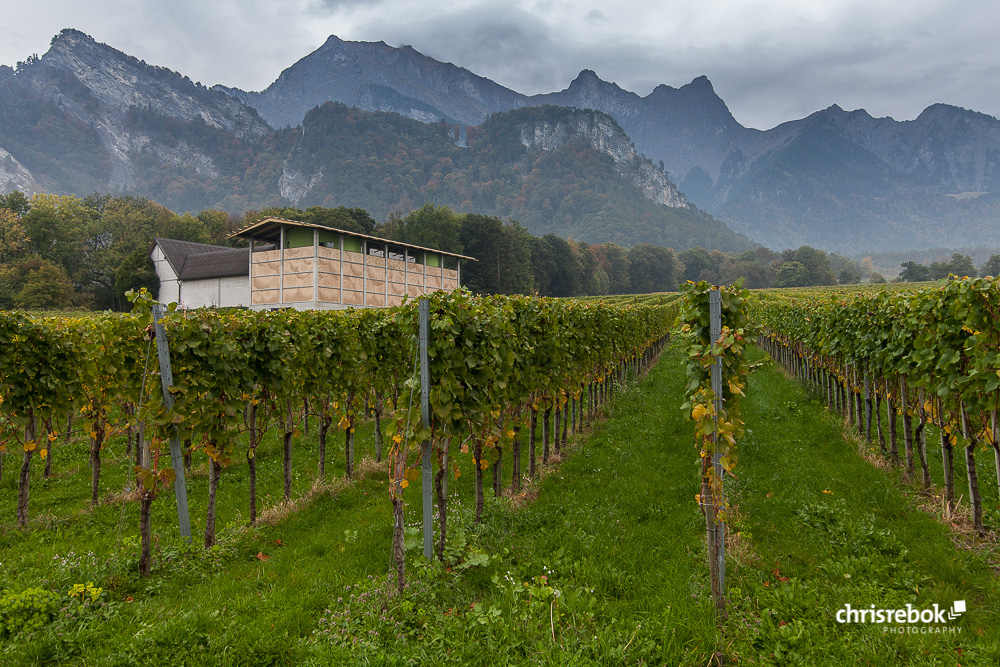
<point>604,566</point>
<point>843,531</point>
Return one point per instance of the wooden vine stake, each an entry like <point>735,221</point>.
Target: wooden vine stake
<point>176,457</point>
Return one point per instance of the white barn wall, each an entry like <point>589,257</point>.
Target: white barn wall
<point>169,286</point>
<point>215,292</point>
<point>235,290</point>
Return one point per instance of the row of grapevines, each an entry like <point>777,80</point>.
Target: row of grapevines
<point>496,363</point>
<point>932,354</point>
<point>52,367</point>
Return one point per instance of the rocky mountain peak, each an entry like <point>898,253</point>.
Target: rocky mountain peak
<point>701,84</point>
<point>331,42</point>
<point>694,103</point>
<point>72,36</point>
<point>377,77</point>
<point>72,49</point>
<point>586,77</point>
<point>104,89</point>
<point>699,91</point>
<point>940,111</point>
<point>115,82</point>
<point>560,126</point>
<point>587,83</point>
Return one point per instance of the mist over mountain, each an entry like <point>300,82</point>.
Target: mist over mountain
<point>86,117</point>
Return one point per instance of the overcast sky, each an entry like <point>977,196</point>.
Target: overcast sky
<point>771,61</point>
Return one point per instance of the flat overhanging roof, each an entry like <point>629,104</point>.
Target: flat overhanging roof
<point>269,229</point>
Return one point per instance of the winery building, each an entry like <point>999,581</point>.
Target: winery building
<point>292,264</point>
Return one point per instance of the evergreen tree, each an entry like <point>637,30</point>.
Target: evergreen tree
<point>695,260</point>
<point>961,266</point>
<point>913,272</point>
<point>793,274</point>
<point>614,260</point>
<point>652,269</point>
<point>991,267</point>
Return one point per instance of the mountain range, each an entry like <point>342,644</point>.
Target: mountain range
<point>85,117</point>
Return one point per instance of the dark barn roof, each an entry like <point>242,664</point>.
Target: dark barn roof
<point>195,261</point>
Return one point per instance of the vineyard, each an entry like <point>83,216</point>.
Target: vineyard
<point>496,364</point>
<point>932,356</point>
<point>561,481</point>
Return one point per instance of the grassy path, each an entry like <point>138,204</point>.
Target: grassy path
<point>604,565</point>
<point>822,528</point>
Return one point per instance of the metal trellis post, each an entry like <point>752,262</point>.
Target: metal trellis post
<point>425,412</point>
<point>715,324</point>
<point>176,457</point>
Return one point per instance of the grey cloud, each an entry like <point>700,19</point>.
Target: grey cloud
<point>521,51</point>
<point>226,42</point>
<point>510,46</point>
<point>325,6</point>
<point>770,61</point>
<point>886,77</point>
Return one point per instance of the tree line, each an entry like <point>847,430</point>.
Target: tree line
<point>63,251</point>
<point>960,265</point>
<point>513,261</point>
<point>69,252</point>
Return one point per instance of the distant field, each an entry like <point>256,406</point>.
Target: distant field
<point>654,299</point>
<point>847,289</point>
<point>67,314</point>
<point>664,298</point>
